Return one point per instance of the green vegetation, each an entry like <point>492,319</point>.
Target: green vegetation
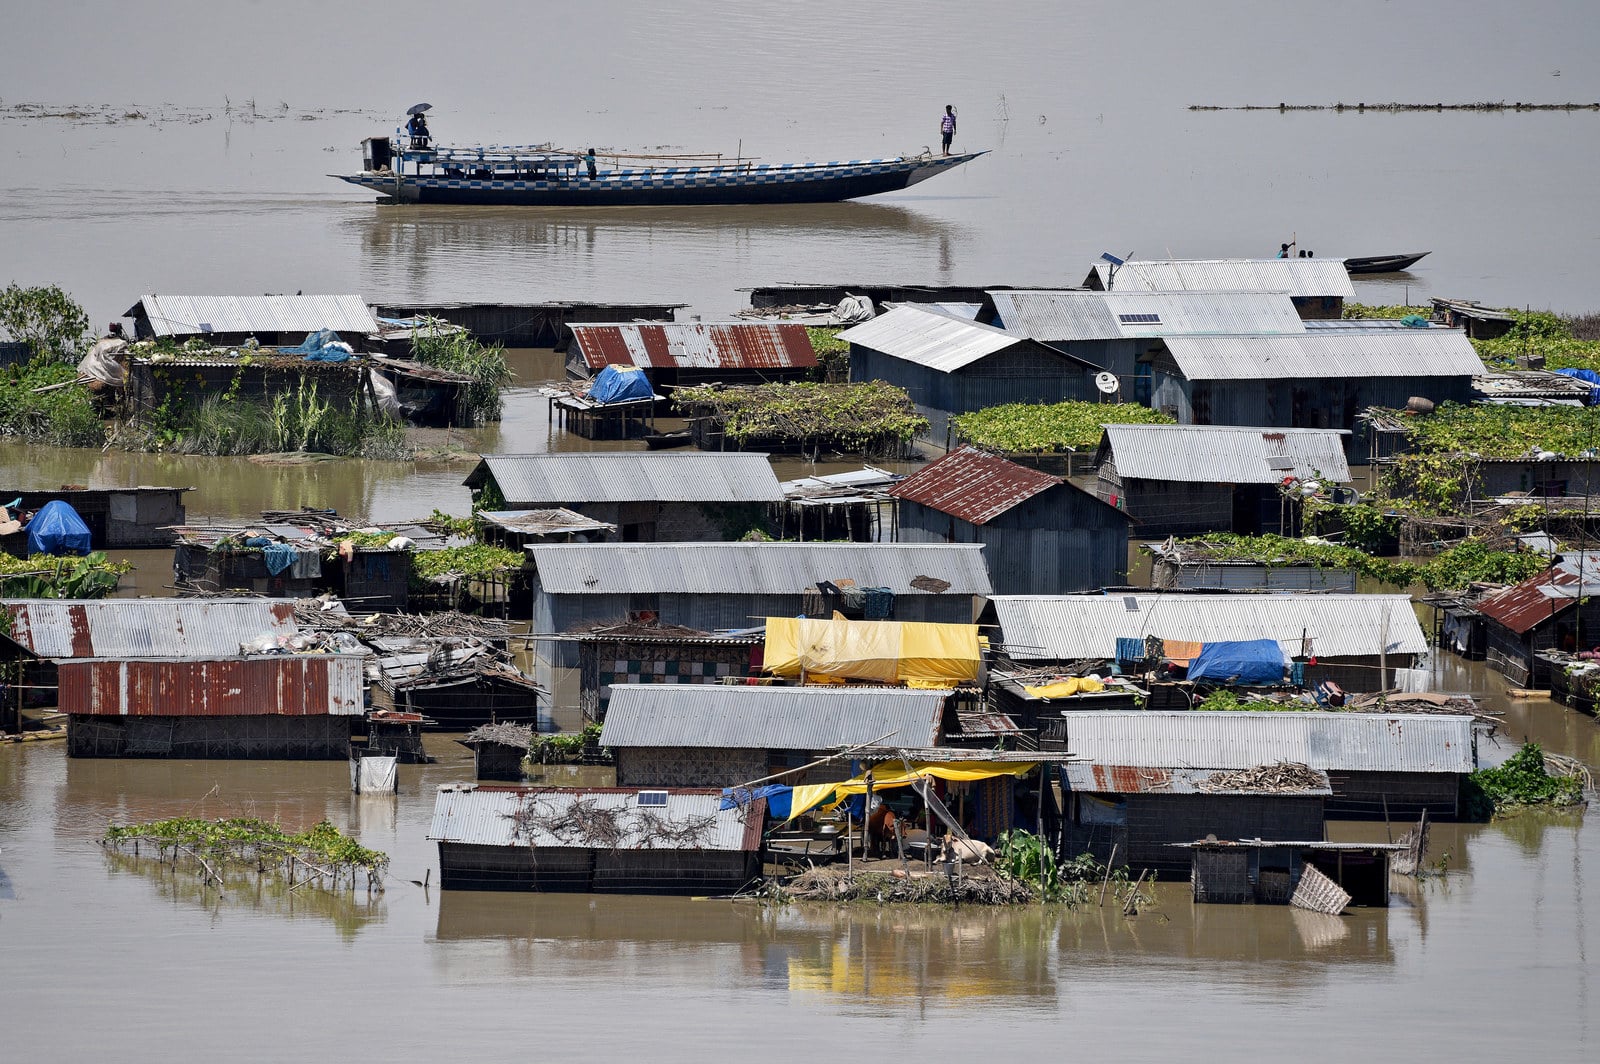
<point>1025,858</point>
<point>450,525</point>
<point>833,354</point>
<point>46,576</point>
<point>563,748</point>
<point>46,319</point>
<point>1222,700</point>
<point>322,851</point>
<point>479,560</point>
<point>1522,781</point>
<point>1540,332</point>
<point>1390,311</point>
<point>1494,431</point>
<point>64,417</point>
<point>1280,550</point>
<point>865,418</point>
<point>1474,561</point>
<point>1072,425</point>
<point>459,353</point>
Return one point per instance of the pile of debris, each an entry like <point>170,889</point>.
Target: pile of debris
<point>1284,777</point>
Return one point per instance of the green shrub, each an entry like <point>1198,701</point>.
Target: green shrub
<point>1073,425</point>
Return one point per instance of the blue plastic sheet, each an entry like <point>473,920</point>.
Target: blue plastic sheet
<point>278,556</point>
<point>1585,375</point>
<point>777,795</point>
<point>620,384</point>
<point>1251,661</point>
<point>57,529</point>
<point>323,345</point>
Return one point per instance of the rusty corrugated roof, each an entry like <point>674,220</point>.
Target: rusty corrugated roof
<point>696,345</point>
<point>276,685</point>
<point>973,486</point>
<point>1102,778</point>
<point>1523,607</point>
<point>131,628</point>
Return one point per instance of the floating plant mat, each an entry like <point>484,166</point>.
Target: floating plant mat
<point>321,857</point>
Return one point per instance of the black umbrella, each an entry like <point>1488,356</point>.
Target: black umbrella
<point>418,108</point>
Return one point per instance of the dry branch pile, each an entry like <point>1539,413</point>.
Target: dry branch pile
<point>831,883</point>
<point>584,822</point>
<point>1281,778</point>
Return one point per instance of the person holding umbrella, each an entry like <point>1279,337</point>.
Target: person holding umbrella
<point>417,127</point>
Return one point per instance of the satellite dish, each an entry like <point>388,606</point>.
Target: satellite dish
<point>1106,381</point>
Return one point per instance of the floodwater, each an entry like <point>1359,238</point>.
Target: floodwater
<point>186,149</point>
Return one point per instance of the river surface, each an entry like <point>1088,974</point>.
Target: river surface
<point>183,147</point>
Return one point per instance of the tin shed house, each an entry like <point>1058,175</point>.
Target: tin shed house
<point>950,365</point>
<point>648,497</point>
<point>1040,533</point>
<point>1178,479</point>
<point>1317,287</point>
<point>681,354</point>
<point>1557,609</point>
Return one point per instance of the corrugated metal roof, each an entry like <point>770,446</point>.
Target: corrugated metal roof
<point>544,522</point>
<point>199,315</point>
<point>1365,324</point>
<point>486,816</point>
<point>1329,353</point>
<point>769,718</point>
<point>279,685</point>
<point>1225,454</point>
<point>972,485</point>
<point>929,338</point>
<point>757,568</point>
<point>1072,627</point>
<point>1098,778</point>
<point>131,628</point>
<point>1079,314</point>
<point>696,345</point>
<point>533,480</point>
<point>1332,742</point>
<point>1295,277</point>
<point>1523,607</point>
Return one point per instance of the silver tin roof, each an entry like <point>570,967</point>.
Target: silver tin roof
<point>1226,454</point>
<point>485,816</point>
<point>757,568</point>
<point>145,628</point>
<point>200,315</point>
<point>1070,627</point>
<point>1295,277</point>
<point>1328,353</point>
<point>578,478</point>
<point>1079,314</point>
<point>1333,742</point>
<point>770,718</point>
<point>930,338</point>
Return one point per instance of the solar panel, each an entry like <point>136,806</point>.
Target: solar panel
<point>1280,462</point>
<point>1130,603</point>
<point>656,799</point>
<point>1139,319</point>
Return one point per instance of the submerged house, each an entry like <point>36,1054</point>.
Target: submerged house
<point>228,321</point>
<point>1317,287</point>
<point>1039,532</point>
<point>1353,638</point>
<point>297,707</point>
<point>681,354</point>
<point>615,654</point>
<point>1378,764</point>
<point>1136,816</point>
<point>950,365</point>
<point>117,518</point>
<point>1321,379</point>
<point>1116,330</point>
<point>610,840</point>
<point>283,559</point>
<point>1198,564</point>
<point>646,496</point>
<point>1557,609</point>
<point>1178,479</point>
<point>714,587</point>
<point>666,736</point>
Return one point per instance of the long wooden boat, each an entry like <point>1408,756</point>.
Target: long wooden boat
<point>546,177</point>
<point>1383,263</point>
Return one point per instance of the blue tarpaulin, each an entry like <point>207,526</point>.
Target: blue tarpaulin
<point>57,529</point>
<point>620,384</point>
<point>323,345</point>
<point>1585,375</point>
<point>776,794</point>
<point>1251,661</point>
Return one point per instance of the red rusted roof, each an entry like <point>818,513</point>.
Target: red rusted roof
<point>286,685</point>
<point>696,345</point>
<point>973,486</point>
<point>1523,607</point>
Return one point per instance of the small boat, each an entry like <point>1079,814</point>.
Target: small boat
<point>542,176</point>
<point>657,441</point>
<point>1383,263</point>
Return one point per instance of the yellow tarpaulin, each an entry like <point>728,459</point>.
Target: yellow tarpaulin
<point>893,774</point>
<point>913,653</point>
<point>1078,685</point>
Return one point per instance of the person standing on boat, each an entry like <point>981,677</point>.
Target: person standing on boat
<point>1283,252</point>
<point>589,161</point>
<point>947,126</point>
<point>418,128</point>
